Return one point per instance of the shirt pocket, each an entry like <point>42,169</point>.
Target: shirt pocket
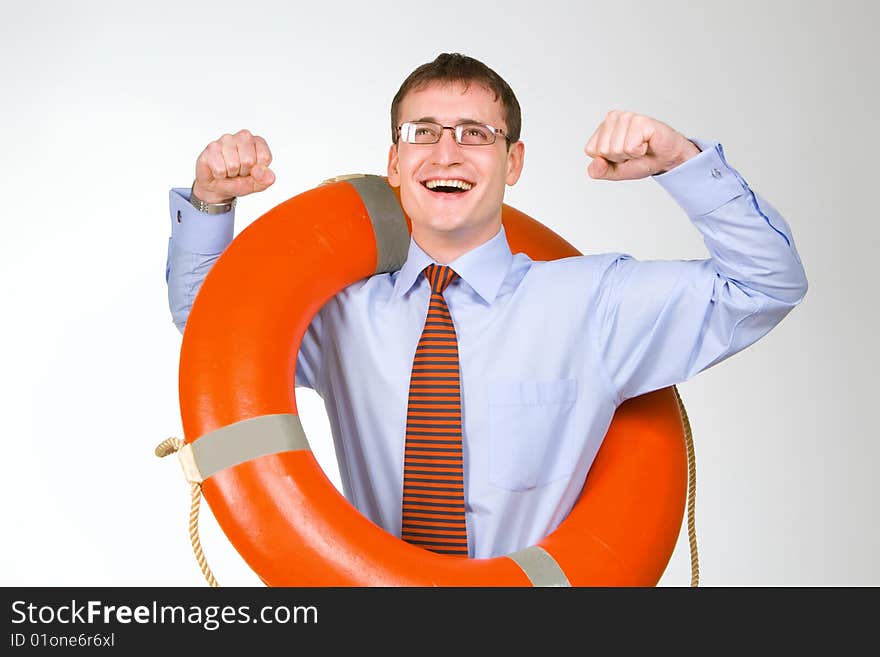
<point>531,432</point>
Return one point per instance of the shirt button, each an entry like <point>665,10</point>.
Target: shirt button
<point>716,173</point>
<point>178,212</point>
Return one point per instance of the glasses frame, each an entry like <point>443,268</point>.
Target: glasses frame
<point>457,131</point>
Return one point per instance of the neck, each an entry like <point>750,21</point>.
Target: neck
<point>446,247</point>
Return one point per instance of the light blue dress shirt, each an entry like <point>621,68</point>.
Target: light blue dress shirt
<point>548,350</point>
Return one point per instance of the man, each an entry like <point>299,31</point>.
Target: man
<point>544,352</point>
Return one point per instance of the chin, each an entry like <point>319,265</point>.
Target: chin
<point>437,228</point>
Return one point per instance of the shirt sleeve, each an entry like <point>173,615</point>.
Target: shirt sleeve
<point>197,241</point>
<point>661,322</point>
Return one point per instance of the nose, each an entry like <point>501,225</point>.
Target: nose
<point>447,150</point>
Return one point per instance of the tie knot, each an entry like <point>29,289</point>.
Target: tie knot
<point>440,276</point>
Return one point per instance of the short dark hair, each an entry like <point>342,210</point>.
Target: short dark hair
<point>455,67</point>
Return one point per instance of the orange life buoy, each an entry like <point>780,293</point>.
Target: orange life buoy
<point>246,446</point>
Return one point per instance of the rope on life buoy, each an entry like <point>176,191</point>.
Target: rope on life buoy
<point>172,446</point>
<point>692,490</point>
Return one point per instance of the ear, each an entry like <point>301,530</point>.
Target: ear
<point>515,156</point>
<point>393,171</point>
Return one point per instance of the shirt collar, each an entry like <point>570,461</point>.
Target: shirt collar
<point>483,268</point>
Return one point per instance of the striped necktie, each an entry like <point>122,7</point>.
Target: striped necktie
<point>433,478</point>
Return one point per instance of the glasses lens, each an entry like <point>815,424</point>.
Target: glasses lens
<point>420,132</point>
<point>475,134</point>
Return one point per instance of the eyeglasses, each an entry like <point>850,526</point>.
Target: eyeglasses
<point>466,134</point>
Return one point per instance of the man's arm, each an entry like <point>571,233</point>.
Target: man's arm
<point>660,322</point>
<point>229,167</point>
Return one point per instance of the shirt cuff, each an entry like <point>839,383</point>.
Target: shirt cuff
<point>198,232</point>
<point>703,183</point>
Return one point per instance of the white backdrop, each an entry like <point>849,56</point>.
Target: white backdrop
<point>105,106</point>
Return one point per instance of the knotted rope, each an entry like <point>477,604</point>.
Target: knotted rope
<point>171,446</point>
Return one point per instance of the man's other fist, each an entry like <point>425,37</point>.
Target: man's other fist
<point>628,146</point>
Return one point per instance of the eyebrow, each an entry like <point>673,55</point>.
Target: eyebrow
<point>432,119</point>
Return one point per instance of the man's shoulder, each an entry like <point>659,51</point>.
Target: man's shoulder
<point>369,288</point>
<point>584,264</point>
<point>575,275</point>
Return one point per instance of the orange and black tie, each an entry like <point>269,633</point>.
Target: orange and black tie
<point>433,476</point>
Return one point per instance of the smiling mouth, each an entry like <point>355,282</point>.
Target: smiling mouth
<point>448,186</point>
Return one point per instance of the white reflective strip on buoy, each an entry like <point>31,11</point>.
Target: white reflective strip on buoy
<point>240,442</point>
<point>389,222</point>
<point>540,567</point>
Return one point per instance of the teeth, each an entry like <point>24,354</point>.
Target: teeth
<point>461,184</point>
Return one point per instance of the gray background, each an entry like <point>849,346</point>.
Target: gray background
<point>105,107</point>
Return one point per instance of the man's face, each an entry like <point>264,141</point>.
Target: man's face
<point>469,217</point>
